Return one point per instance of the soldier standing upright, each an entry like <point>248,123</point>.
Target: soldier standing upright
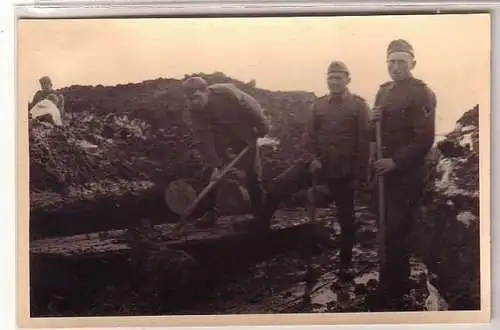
<point>405,107</point>
<point>224,117</point>
<point>336,151</point>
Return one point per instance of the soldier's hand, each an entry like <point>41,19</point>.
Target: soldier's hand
<point>376,113</point>
<point>215,174</point>
<point>315,166</point>
<point>384,165</point>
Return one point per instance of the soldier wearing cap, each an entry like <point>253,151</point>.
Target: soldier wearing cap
<point>336,152</point>
<point>47,92</point>
<point>405,107</point>
<point>224,117</point>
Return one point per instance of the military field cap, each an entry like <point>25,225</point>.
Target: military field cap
<point>338,66</point>
<point>400,46</point>
<point>194,83</point>
<point>45,79</point>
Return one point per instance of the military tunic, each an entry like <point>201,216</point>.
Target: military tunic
<point>338,134</point>
<point>407,132</point>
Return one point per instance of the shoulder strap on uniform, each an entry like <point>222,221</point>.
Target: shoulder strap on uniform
<point>225,89</point>
<point>419,82</point>
<point>358,97</point>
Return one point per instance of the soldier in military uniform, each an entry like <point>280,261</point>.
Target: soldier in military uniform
<point>224,117</point>
<point>405,107</point>
<point>47,92</point>
<point>336,151</point>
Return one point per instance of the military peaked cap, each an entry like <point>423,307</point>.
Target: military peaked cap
<point>400,45</point>
<point>337,66</point>
<point>45,79</point>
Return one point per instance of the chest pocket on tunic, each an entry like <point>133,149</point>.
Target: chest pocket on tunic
<point>396,115</point>
<point>336,128</point>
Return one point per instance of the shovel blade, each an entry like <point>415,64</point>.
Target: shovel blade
<point>179,196</point>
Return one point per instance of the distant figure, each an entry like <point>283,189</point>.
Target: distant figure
<point>405,107</point>
<point>48,93</point>
<point>224,117</point>
<point>336,152</point>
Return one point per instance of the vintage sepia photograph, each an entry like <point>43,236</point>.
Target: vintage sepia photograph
<point>254,167</point>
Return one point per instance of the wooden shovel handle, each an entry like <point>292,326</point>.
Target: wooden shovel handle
<point>214,182</point>
<point>381,199</point>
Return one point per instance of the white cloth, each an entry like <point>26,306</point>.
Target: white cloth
<point>47,107</point>
<point>404,56</point>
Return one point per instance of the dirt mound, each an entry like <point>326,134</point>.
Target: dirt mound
<point>136,131</point>
<point>448,232</point>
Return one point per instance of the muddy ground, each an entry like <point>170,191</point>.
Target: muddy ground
<point>277,283</point>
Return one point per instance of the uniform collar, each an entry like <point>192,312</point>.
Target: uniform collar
<point>407,80</point>
<point>340,97</point>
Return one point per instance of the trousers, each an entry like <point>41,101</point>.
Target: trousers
<point>402,201</point>
<point>297,178</point>
<point>250,164</point>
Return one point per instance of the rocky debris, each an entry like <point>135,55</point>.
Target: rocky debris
<point>447,235</point>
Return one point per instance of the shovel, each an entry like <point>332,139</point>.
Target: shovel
<point>182,199</point>
<point>381,201</point>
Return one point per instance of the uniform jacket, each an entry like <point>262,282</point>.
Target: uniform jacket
<point>407,124</point>
<point>232,118</point>
<point>338,134</point>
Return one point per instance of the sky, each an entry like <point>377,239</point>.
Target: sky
<point>452,53</point>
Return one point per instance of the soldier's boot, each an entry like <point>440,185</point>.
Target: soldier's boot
<point>384,301</point>
<point>264,213</point>
<point>209,219</point>
<point>256,195</point>
<point>393,285</point>
<point>347,236</point>
<point>346,272</point>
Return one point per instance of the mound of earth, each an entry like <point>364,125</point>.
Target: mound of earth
<point>448,234</point>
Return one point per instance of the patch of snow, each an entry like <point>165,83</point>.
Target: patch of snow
<point>363,279</point>
<point>452,190</point>
<point>267,141</point>
<point>467,128</point>
<point>466,140</point>
<point>444,166</point>
<point>434,301</point>
<point>466,218</point>
<point>446,184</point>
<point>322,298</point>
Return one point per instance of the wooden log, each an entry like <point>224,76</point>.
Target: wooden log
<point>64,217</point>
<point>77,268</point>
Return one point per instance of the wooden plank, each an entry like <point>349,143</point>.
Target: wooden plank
<point>286,223</point>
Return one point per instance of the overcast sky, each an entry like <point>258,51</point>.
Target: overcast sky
<point>452,51</point>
